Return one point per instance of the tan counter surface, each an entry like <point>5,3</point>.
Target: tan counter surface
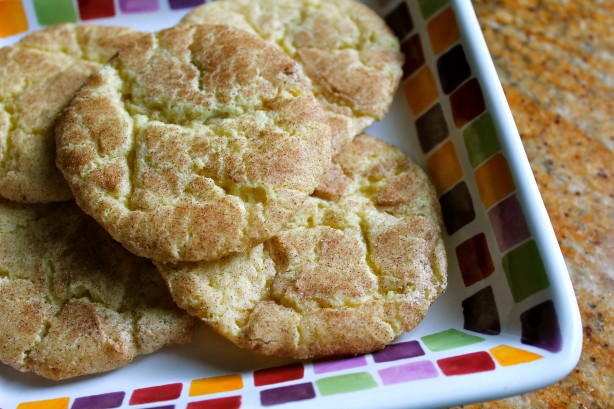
<point>556,62</point>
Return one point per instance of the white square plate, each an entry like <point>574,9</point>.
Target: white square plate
<point>509,321</point>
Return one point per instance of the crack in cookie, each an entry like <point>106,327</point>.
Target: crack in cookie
<point>74,302</point>
<point>38,77</point>
<point>352,270</point>
<point>350,56</point>
<point>207,139</point>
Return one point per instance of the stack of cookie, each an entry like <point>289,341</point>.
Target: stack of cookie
<point>228,151</point>
<point>73,301</point>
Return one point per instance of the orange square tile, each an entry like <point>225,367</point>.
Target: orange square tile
<point>444,167</point>
<point>507,356</point>
<point>216,384</point>
<point>12,18</point>
<point>421,91</point>
<point>443,30</point>
<point>61,403</point>
<point>494,180</point>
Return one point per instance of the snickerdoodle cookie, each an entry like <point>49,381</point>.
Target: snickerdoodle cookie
<point>194,143</point>
<point>349,54</point>
<point>74,301</point>
<point>38,77</point>
<point>358,265</point>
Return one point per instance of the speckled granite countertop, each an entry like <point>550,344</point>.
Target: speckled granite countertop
<point>555,59</point>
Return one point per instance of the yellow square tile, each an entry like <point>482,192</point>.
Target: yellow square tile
<point>443,30</point>
<point>216,384</point>
<point>494,180</point>
<point>507,356</point>
<point>444,167</point>
<point>421,91</point>
<point>12,18</point>
<point>61,403</point>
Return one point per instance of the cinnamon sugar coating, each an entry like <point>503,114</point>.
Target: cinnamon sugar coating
<point>194,143</point>
<point>358,265</point>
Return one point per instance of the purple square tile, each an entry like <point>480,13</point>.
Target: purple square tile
<point>540,327</point>
<point>103,401</point>
<point>286,394</point>
<point>184,4</point>
<point>413,371</point>
<point>398,351</point>
<point>414,56</point>
<point>457,208</point>
<point>453,69</point>
<point>480,313</point>
<point>333,365</point>
<point>138,6</point>
<point>467,102</point>
<point>432,128</point>
<point>399,20</point>
<point>508,223</point>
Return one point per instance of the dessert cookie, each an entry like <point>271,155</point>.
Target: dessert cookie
<point>359,264</point>
<point>38,76</point>
<point>74,301</point>
<point>194,143</point>
<point>350,55</point>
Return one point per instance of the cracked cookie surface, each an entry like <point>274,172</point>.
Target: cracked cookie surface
<point>74,301</point>
<point>359,264</point>
<point>349,54</point>
<point>38,77</point>
<point>194,143</point>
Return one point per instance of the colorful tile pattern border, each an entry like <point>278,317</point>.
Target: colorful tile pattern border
<point>105,400</point>
<point>14,19</point>
<point>463,156</point>
<point>412,361</point>
<point>216,384</point>
<point>471,174</point>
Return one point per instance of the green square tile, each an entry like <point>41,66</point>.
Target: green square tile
<point>345,383</point>
<point>449,339</point>
<point>50,12</point>
<point>429,7</point>
<point>481,139</point>
<point>524,270</point>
